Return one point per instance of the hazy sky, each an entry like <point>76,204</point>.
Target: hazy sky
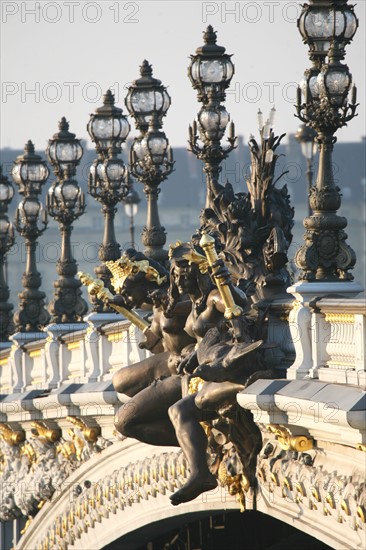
<point>57,58</point>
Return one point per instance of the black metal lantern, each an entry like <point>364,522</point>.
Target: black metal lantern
<point>334,80</point>
<point>306,137</point>
<point>112,173</point>
<point>213,121</point>
<point>64,150</point>
<point>320,24</point>
<point>108,126</point>
<point>211,68</point>
<point>30,210</point>
<point>29,170</point>
<point>6,242</point>
<point>6,192</point>
<point>309,85</point>
<point>147,97</point>
<point>66,195</point>
<point>155,146</point>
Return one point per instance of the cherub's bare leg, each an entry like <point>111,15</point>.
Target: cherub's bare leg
<point>186,418</point>
<point>145,416</point>
<point>243,431</point>
<point>134,378</point>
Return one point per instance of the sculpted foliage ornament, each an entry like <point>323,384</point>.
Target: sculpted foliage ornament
<point>33,470</point>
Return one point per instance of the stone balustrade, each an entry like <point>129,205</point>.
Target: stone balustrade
<point>339,335</point>
<point>82,353</point>
<point>329,336</point>
<point>324,338</point>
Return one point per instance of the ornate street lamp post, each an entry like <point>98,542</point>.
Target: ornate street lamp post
<point>30,172</point>
<point>210,72</point>
<point>131,208</point>
<point>306,137</point>
<point>323,105</point>
<point>151,158</point>
<point>65,203</point>
<point>6,242</point>
<point>108,128</point>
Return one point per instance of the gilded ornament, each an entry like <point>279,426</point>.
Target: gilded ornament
<point>275,479</point>
<point>345,318</point>
<point>361,513</point>
<point>287,442</point>
<point>13,437</point>
<point>124,267</point>
<point>287,483</point>
<point>91,434</point>
<point>300,488</point>
<point>345,507</point>
<point>43,432</point>
<point>316,494</point>
<point>330,500</point>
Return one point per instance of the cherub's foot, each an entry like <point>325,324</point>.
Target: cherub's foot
<point>193,488</point>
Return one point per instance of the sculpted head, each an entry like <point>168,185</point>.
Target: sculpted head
<point>188,273</point>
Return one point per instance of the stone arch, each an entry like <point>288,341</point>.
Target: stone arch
<point>114,493</point>
<point>126,487</point>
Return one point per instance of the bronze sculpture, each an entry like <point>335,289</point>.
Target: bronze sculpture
<point>205,335</point>
<point>154,413</point>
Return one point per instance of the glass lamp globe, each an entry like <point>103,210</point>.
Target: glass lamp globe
<point>64,151</point>
<point>131,203</point>
<point>309,85</point>
<point>29,210</point>
<point>4,228</point>
<point>113,173</point>
<point>147,97</point>
<point>213,121</point>
<point>211,68</point>
<point>108,126</point>
<point>6,191</point>
<point>306,135</point>
<point>319,25</point>
<point>334,83</point>
<point>67,194</point>
<point>96,172</point>
<point>156,145</point>
<point>30,170</point>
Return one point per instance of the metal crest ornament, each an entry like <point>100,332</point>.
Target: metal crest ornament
<point>124,267</point>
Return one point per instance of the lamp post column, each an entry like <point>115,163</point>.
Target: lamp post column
<point>108,183</point>
<point>323,105</point>
<point>6,242</point>
<point>151,158</point>
<point>66,203</point>
<point>131,208</point>
<point>210,72</point>
<point>306,135</point>
<point>30,173</point>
